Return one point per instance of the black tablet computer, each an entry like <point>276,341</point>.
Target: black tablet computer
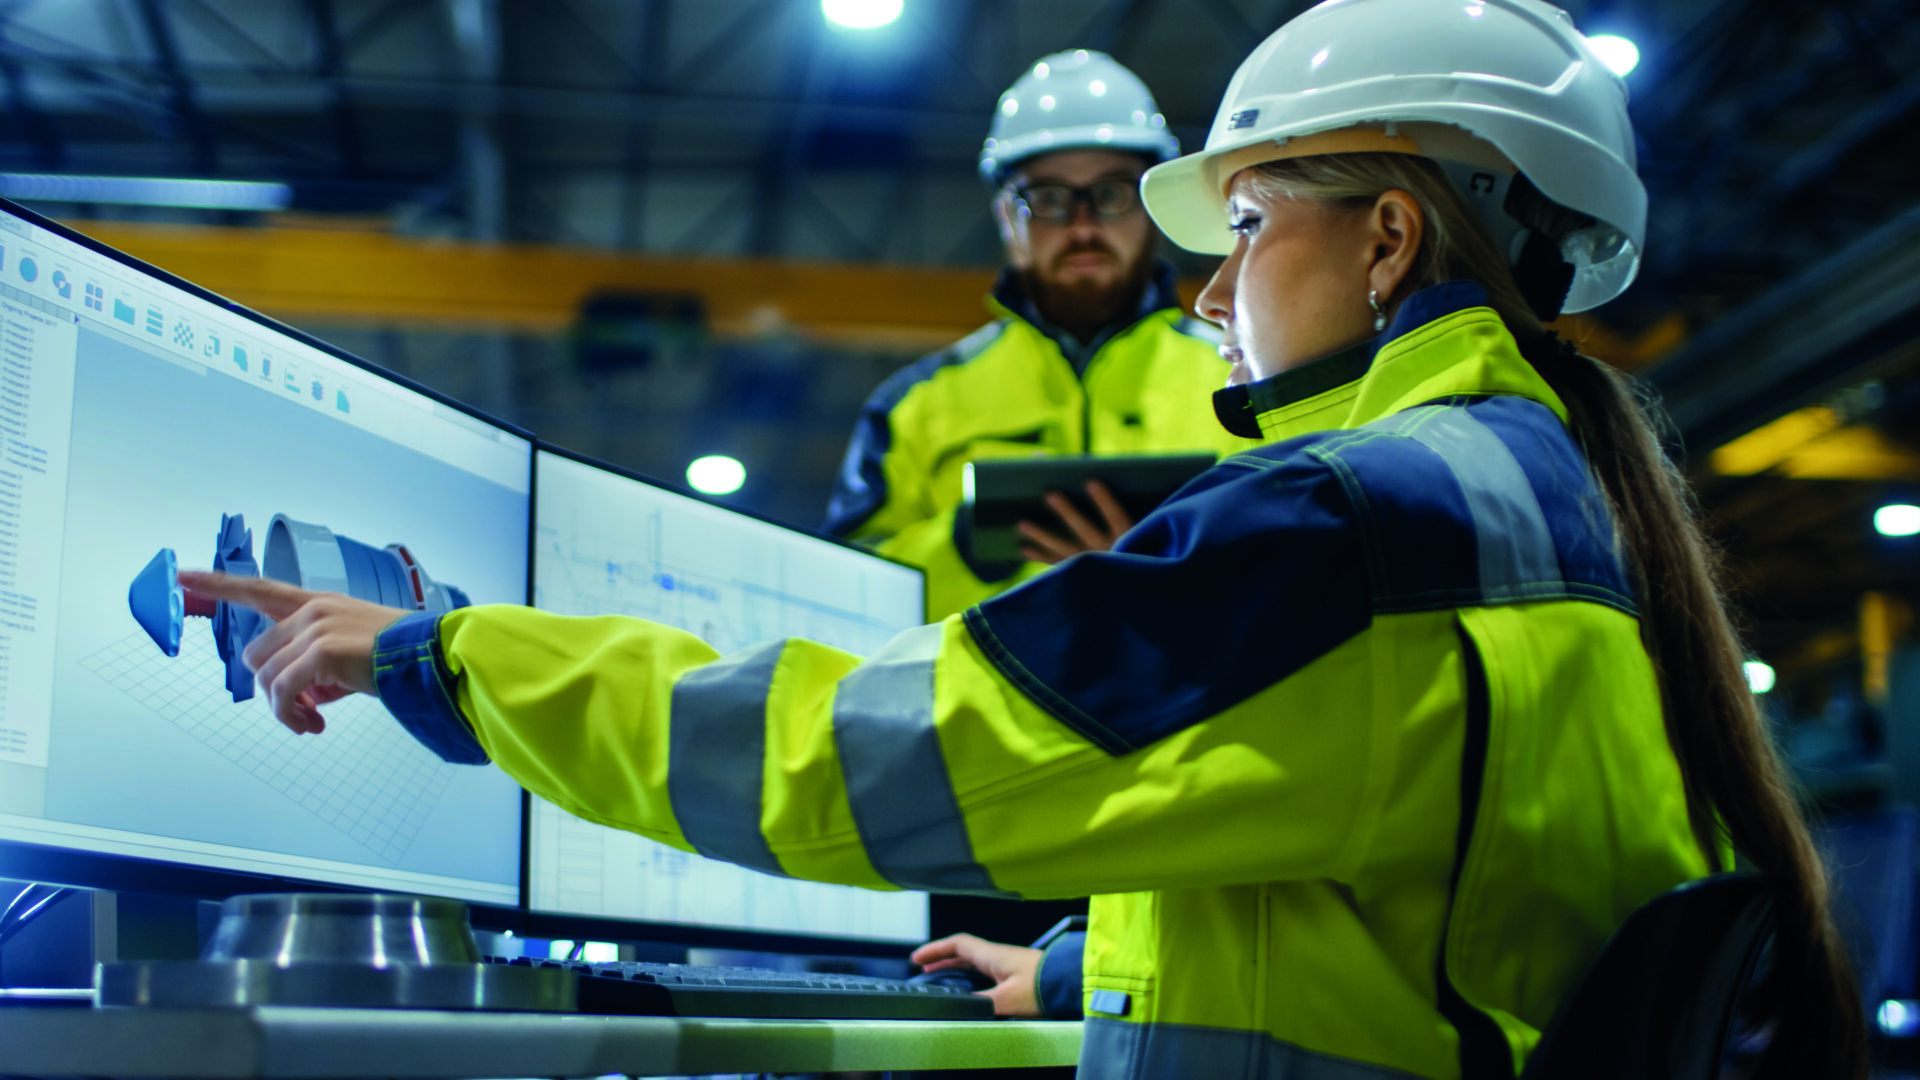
<point>1000,492</point>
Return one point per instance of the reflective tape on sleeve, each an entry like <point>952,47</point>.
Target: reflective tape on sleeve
<point>717,742</point>
<point>1517,552</point>
<point>896,773</point>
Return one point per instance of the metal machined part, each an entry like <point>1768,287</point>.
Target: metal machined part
<point>350,951</point>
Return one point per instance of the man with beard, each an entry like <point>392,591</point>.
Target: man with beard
<point>1089,351</point>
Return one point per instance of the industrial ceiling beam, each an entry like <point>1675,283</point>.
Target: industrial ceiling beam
<point>188,123</point>
<point>1807,167</point>
<point>330,62</point>
<point>50,153</point>
<point>1836,324</point>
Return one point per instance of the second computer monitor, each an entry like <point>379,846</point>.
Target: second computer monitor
<point>610,544</point>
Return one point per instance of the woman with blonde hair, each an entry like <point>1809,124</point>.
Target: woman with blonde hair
<point>1364,742</point>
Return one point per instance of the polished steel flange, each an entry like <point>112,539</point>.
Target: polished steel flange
<point>366,951</point>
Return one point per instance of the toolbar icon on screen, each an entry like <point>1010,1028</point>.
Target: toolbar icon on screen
<point>123,311</point>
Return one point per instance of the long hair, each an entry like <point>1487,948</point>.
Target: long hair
<point>1733,778</point>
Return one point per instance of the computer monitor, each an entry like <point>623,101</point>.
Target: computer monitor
<point>607,542</point>
<point>146,424</point>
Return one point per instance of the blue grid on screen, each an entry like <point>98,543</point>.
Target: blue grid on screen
<point>364,776</point>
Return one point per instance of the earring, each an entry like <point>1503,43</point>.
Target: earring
<point>1379,313</point>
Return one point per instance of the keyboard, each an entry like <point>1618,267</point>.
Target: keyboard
<point>641,988</point>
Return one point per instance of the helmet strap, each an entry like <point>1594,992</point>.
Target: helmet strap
<point>1542,273</point>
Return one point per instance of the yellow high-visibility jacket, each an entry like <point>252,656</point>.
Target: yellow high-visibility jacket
<point>1014,388</point>
<point>1354,740</point>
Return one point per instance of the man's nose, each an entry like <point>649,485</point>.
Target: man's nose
<point>1082,220</point>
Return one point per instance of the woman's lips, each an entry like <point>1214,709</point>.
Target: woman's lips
<point>1240,373</point>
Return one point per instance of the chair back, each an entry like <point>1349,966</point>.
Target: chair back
<point>1659,1001</point>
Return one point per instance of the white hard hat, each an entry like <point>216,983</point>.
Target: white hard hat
<point>1486,87</point>
<point>1074,100</point>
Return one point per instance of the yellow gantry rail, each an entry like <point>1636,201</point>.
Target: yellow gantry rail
<point>302,275</point>
<point>332,275</point>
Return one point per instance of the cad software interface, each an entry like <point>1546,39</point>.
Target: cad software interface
<point>610,545</point>
<point>137,419</point>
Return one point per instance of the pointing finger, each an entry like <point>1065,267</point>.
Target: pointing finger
<point>274,638</point>
<point>274,599</point>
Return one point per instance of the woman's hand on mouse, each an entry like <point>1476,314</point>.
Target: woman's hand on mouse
<point>1014,969</point>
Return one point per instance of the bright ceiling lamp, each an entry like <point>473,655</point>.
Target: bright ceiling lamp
<point>1897,519</point>
<point>1759,676</point>
<point>1616,52</point>
<point>716,474</point>
<point>861,14</point>
<point>147,191</point>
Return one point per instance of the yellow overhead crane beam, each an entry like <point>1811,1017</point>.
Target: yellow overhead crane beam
<point>310,274</point>
<point>300,275</point>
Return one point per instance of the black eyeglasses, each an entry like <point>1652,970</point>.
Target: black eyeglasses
<point>1056,204</point>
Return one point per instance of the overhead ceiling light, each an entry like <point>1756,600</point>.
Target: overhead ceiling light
<point>1616,52</point>
<point>1897,519</point>
<point>1759,676</point>
<point>147,191</point>
<point>861,14</point>
<point>716,474</point>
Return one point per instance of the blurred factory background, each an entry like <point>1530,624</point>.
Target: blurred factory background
<point>653,230</point>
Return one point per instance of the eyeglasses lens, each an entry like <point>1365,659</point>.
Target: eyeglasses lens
<point>1056,203</point>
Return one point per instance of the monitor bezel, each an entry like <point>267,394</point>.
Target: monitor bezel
<point>129,873</point>
<point>542,923</point>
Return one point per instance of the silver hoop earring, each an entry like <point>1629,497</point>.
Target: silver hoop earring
<point>1379,313</point>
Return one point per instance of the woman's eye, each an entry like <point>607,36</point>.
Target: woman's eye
<point>1243,226</point>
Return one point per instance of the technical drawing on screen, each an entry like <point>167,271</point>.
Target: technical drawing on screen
<point>140,420</point>
<point>608,544</point>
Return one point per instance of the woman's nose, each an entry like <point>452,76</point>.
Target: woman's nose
<point>1215,302</point>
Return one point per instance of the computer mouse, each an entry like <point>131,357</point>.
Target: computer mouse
<point>960,978</point>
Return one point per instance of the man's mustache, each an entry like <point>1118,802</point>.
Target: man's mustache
<point>1088,247</point>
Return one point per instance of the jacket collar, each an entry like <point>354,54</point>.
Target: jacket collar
<point>1009,299</point>
<point>1443,342</point>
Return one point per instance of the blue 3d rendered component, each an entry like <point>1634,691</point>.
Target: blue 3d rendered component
<point>297,552</point>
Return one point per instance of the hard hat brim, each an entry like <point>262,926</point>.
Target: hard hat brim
<point>1009,154</point>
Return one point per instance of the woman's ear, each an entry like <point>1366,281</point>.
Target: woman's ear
<point>1397,227</point>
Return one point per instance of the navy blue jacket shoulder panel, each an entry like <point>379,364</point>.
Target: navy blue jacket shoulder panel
<point>1276,556</point>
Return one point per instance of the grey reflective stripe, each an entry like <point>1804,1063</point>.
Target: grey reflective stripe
<point>717,745</point>
<point>1117,1050</point>
<point>1517,553</point>
<point>897,782</point>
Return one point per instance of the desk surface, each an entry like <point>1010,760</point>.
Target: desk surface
<point>240,1044</point>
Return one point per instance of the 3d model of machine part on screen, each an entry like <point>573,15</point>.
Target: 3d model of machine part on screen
<point>296,552</point>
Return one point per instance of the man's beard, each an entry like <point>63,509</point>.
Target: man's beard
<point>1084,308</point>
